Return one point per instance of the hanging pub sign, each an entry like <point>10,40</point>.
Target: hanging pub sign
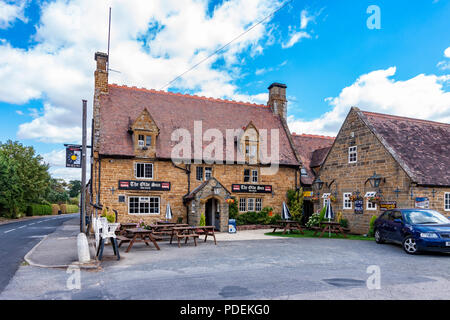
<point>359,206</point>
<point>73,156</point>
<point>388,205</point>
<point>251,188</point>
<point>144,185</point>
<point>422,202</point>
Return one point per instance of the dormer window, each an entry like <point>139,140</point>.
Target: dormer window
<point>141,140</point>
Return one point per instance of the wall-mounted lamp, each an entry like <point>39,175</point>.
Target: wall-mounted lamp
<point>318,183</point>
<point>375,180</point>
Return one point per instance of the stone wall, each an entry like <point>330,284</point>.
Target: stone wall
<point>352,177</point>
<point>113,170</point>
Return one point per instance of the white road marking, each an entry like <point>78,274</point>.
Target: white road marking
<point>9,230</point>
<point>21,227</point>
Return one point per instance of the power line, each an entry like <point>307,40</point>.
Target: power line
<point>226,45</point>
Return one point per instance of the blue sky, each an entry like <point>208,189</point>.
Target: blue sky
<point>47,49</point>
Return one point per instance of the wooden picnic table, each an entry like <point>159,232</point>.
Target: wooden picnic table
<point>331,227</point>
<point>165,229</point>
<point>288,225</point>
<point>192,232</point>
<point>123,226</point>
<point>140,235</point>
<point>165,222</point>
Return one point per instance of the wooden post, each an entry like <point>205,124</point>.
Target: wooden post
<point>83,171</point>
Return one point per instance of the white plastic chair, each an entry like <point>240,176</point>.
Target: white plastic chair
<point>107,231</point>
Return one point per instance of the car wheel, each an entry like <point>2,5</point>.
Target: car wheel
<point>378,237</point>
<point>410,245</point>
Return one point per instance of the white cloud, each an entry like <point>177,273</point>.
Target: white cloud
<point>294,38</point>
<point>151,43</point>
<point>296,35</point>
<point>447,52</point>
<point>445,65</point>
<point>57,161</point>
<point>10,11</point>
<point>421,97</point>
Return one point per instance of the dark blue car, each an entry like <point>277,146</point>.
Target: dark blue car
<point>416,229</point>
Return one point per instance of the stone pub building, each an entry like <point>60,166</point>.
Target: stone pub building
<point>136,131</point>
<point>379,162</point>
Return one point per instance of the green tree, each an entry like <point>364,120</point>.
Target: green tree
<point>25,173</point>
<point>74,188</point>
<point>295,203</point>
<point>57,191</point>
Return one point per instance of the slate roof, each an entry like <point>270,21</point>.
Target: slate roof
<point>173,111</point>
<point>312,150</point>
<point>421,147</point>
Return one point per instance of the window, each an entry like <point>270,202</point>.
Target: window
<point>143,205</point>
<point>242,205</point>
<point>252,151</point>
<point>347,203</point>
<point>303,172</point>
<point>250,204</point>
<point>148,141</point>
<point>246,175</point>
<point>199,173</point>
<point>143,170</point>
<point>371,205</point>
<point>141,141</point>
<point>447,201</point>
<point>208,173</point>
<point>258,205</point>
<point>352,155</point>
<point>254,175</point>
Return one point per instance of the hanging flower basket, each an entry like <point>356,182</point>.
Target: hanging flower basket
<point>315,199</point>
<point>230,201</point>
<point>332,198</point>
<point>354,197</point>
<point>375,199</point>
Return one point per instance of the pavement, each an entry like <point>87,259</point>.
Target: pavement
<point>19,237</point>
<point>246,265</point>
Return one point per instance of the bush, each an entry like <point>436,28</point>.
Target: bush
<point>344,223</point>
<point>74,201</point>
<point>71,208</point>
<point>39,210</point>
<point>314,220</point>
<point>233,210</point>
<point>202,220</point>
<point>372,225</point>
<point>110,216</point>
<point>55,209</point>
<point>322,213</point>
<point>262,217</point>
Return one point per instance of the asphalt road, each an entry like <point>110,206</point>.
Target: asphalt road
<point>282,268</point>
<point>17,238</point>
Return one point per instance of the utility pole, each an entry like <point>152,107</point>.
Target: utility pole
<point>83,171</point>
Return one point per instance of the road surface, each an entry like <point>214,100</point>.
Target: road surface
<point>18,238</point>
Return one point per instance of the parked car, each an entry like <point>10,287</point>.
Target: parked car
<point>416,229</point>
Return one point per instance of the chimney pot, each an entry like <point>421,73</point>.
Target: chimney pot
<point>277,99</point>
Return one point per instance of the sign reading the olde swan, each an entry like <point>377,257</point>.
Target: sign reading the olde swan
<point>251,188</point>
<point>73,157</point>
<point>144,185</point>
<point>388,205</point>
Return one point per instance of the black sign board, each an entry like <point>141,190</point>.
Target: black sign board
<point>144,185</point>
<point>251,188</point>
<point>73,156</point>
<point>359,206</point>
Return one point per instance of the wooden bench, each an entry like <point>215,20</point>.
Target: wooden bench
<point>186,237</point>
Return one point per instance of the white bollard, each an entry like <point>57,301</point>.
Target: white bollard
<point>83,248</point>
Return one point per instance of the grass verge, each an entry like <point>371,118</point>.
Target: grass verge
<point>310,234</point>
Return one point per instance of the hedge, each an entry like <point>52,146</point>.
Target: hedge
<point>55,209</point>
<point>39,210</point>
<point>69,208</point>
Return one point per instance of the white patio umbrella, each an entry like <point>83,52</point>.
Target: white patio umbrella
<point>285,214</point>
<point>168,212</point>
<point>329,214</point>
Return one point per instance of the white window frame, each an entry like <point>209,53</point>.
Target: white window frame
<point>197,171</point>
<point>258,203</point>
<point>144,200</point>
<point>145,164</point>
<point>251,200</point>
<point>370,205</point>
<point>141,142</point>
<point>353,150</point>
<point>254,174</point>
<point>446,201</point>
<point>346,202</point>
<point>208,170</point>
<point>242,202</point>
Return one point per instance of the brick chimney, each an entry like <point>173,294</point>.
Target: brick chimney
<point>277,99</point>
<point>101,87</point>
